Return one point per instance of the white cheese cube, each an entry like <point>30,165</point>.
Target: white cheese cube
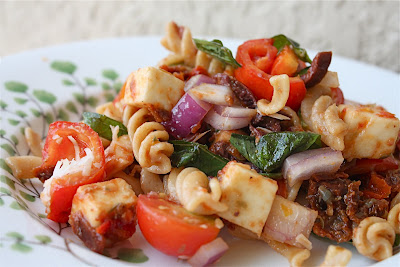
<point>372,131</point>
<point>248,195</point>
<point>96,200</point>
<point>153,88</point>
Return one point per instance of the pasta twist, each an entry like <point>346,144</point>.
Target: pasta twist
<point>170,182</point>
<point>325,121</point>
<point>150,182</point>
<point>110,110</point>
<point>394,218</point>
<point>336,256</point>
<point>119,154</point>
<point>311,96</point>
<point>374,238</point>
<point>191,187</point>
<point>395,201</point>
<point>178,40</point>
<point>281,86</point>
<point>296,256</point>
<point>148,143</point>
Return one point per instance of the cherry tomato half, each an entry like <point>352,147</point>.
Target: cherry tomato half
<point>171,229</point>
<point>257,58</point>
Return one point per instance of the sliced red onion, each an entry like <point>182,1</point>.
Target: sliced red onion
<point>209,253</point>
<point>235,112</point>
<point>186,114</point>
<point>287,220</point>
<point>225,123</point>
<point>213,94</point>
<point>197,80</point>
<point>301,166</point>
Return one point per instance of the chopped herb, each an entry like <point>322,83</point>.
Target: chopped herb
<point>280,41</point>
<point>101,124</point>
<point>216,49</point>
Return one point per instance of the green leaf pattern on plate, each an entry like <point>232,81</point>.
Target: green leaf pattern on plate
<point>37,108</point>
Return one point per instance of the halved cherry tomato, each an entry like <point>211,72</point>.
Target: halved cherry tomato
<point>337,95</point>
<point>58,146</point>
<point>377,187</point>
<point>368,165</point>
<point>171,229</point>
<point>257,58</point>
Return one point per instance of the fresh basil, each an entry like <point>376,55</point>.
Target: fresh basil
<point>303,71</point>
<point>280,41</point>
<point>273,148</point>
<point>101,124</point>
<point>191,154</point>
<point>396,241</point>
<point>216,49</point>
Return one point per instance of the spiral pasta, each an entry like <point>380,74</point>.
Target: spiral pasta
<point>394,218</point>
<point>325,121</point>
<point>128,112</point>
<point>118,154</point>
<point>296,256</point>
<point>131,179</point>
<point>34,141</point>
<point>311,96</point>
<point>395,201</point>
<point>336,256</point>
<point>281,86</point>
<point>178,40</point>
<point>150,182</point>
<point>374,238</point>
<point>191,187</point>
<point>148,142</point>
<point>169,182</point>
<point>110,110</point>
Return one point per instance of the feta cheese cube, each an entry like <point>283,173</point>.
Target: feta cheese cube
<point>372,131</point>
<point>248,195</point>
<point>153,88</point>
<point>96,200</point>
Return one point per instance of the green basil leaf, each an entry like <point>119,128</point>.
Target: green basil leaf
<point>396,241</point>
<point>280,41</point>
<point>191,154</point>
<point>101,124</point>
<point>273,148</point>
<point>246,145</point>
<point>216,49</point>
<point>303,71</point>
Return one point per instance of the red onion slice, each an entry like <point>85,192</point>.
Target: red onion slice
<point>225,123</point>
<point>235,112</point>
<point>301,166</point>
<point>287,220</point>
<point>186,114</point>
<point>209,253</point>
<point>197,80</point>
<point>213,94</point>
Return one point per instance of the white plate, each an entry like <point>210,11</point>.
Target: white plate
<point>49,91</point>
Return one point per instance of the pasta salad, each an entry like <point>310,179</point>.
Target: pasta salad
<point>263,144</point>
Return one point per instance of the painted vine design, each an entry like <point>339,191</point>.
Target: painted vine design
<point>42,106</point>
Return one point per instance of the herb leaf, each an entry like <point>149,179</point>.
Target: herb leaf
<point>273,148</point>
<point>216,49</point>
<point>191,154</point>
<point>101,124</point>
<point>280,41</point>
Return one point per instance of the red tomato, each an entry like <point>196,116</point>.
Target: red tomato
<point>58,146</point>
<point>285,63</point>
<point>337,95</point>
<point>257,58</point>
<point>377,187</point>
<point>368,165</point>
<point>171,229</point>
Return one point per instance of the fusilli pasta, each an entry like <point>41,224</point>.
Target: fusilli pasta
<point>336,256</point>
<point>394,218</point>
<point>148,143</point>
<point>192,191</point>
<point>281,86</point>
<point>150,182</point>
<point>110,110</point>
<point>325,121</point>
<point>374,238</point>
<point>296,256</point>
<point>178,40</point>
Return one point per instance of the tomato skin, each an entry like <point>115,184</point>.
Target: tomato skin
<point>363,166</point>
<point>169,232</point>
<point>285,63</point>
<point>257,58</point>
<point>337,95</point>
<point>377,187</point>
<point>64,188</point>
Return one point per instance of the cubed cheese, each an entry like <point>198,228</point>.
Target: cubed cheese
<point>153,88</point>
<point>372,131</point>
<point>96,200</point>
<point>248,195</point>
